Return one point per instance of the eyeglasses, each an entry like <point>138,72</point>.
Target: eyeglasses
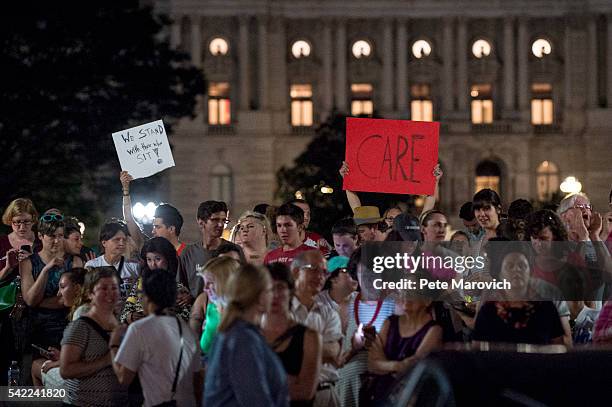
<point>20,223</point>
<point>50,217</point>
<point>311,267</point>
<point>584,206</point>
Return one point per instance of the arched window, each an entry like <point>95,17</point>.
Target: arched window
<point>547,180</point>
<point>541,47</point>
<point>300,49</point>
<point>488,175</point>
<point>218,46</point>
<point>421,49</point>
<point>222,183</point>
<point>481,48</point>
<point>361,49</point>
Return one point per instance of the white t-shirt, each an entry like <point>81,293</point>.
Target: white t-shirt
<point>129,270</point>
<point>151,347</point>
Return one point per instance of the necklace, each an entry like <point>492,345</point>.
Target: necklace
<point>356,310</point>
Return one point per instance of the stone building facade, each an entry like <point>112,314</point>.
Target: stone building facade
<point>523,90</point>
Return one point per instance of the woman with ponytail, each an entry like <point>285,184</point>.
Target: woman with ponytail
<point>242,369</point>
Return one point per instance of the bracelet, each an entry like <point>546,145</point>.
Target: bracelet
<point>113,346</point>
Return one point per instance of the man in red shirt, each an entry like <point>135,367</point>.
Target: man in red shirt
<point>289,224</point>
<point>310,238</point>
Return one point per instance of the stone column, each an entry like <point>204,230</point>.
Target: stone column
<point>609,62</point>
<point>523,67</point>
<point>341,85</point>
<point>327,97</point>
<point>592,96</point>
<point>387,74</point>
<point>262,50</point>
<point>462,77</point>
<point>196,41</point>
<point>447,68</point>
<point>243,62</point>
<point>400,76</point>
<point>509,66</point>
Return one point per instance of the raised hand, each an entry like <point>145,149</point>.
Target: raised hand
<point>344,169</point>
<point>125,179</point>
<point>437,172</point>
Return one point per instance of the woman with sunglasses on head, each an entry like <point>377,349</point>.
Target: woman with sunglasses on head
<point>255,232</point>
<point>40,275</point>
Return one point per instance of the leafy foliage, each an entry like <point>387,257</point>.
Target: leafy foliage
<point>73,73</point>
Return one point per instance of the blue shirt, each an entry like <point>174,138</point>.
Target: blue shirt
<point>244,371</point>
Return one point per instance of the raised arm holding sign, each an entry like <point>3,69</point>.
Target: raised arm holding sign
<point>392,156</point>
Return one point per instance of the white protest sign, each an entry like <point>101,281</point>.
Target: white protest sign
<point>144,150</point>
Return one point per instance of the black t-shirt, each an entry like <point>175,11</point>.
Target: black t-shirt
<point>536,323</point>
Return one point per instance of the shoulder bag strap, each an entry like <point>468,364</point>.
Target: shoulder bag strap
<point>120,266</point>
<point>96,327</point>
<point>178,365</point>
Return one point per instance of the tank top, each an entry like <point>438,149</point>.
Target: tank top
<point>293,355</point>
<point>213,318</point>
<point>53,276</point>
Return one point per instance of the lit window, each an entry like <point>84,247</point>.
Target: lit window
<point>361,49</point>
<point>482,104</point>
<point>221,183</point>
<point>218,46</point>
<point>541,104</point>
<point>219,106</point>
<point>488,175</point>
<point>301,105</point>
<point>547,180</point>
<point>421,106</point>
<point>421,48</point>
<point>481,48</point>
<point>361,99</point>
<point>300,49</point>
<point>541,47</point>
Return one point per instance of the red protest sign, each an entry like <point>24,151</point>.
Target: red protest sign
<point>393,156</point>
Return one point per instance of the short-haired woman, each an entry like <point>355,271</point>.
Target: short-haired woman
<point>240,353</point>
<point>255,234</point>
<point>85,360</point>
<point>114,241</point>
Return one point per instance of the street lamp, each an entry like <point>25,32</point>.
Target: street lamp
<point>571,185</point>
<point>144,214</point>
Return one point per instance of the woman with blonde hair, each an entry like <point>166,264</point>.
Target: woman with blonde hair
<point>255,235</point>
<point>240,353</point>
<point>208,307</point>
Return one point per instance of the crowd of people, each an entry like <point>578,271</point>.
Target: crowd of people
<point>275,315</point>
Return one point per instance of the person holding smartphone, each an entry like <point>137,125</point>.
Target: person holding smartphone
<point>40,274</point>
